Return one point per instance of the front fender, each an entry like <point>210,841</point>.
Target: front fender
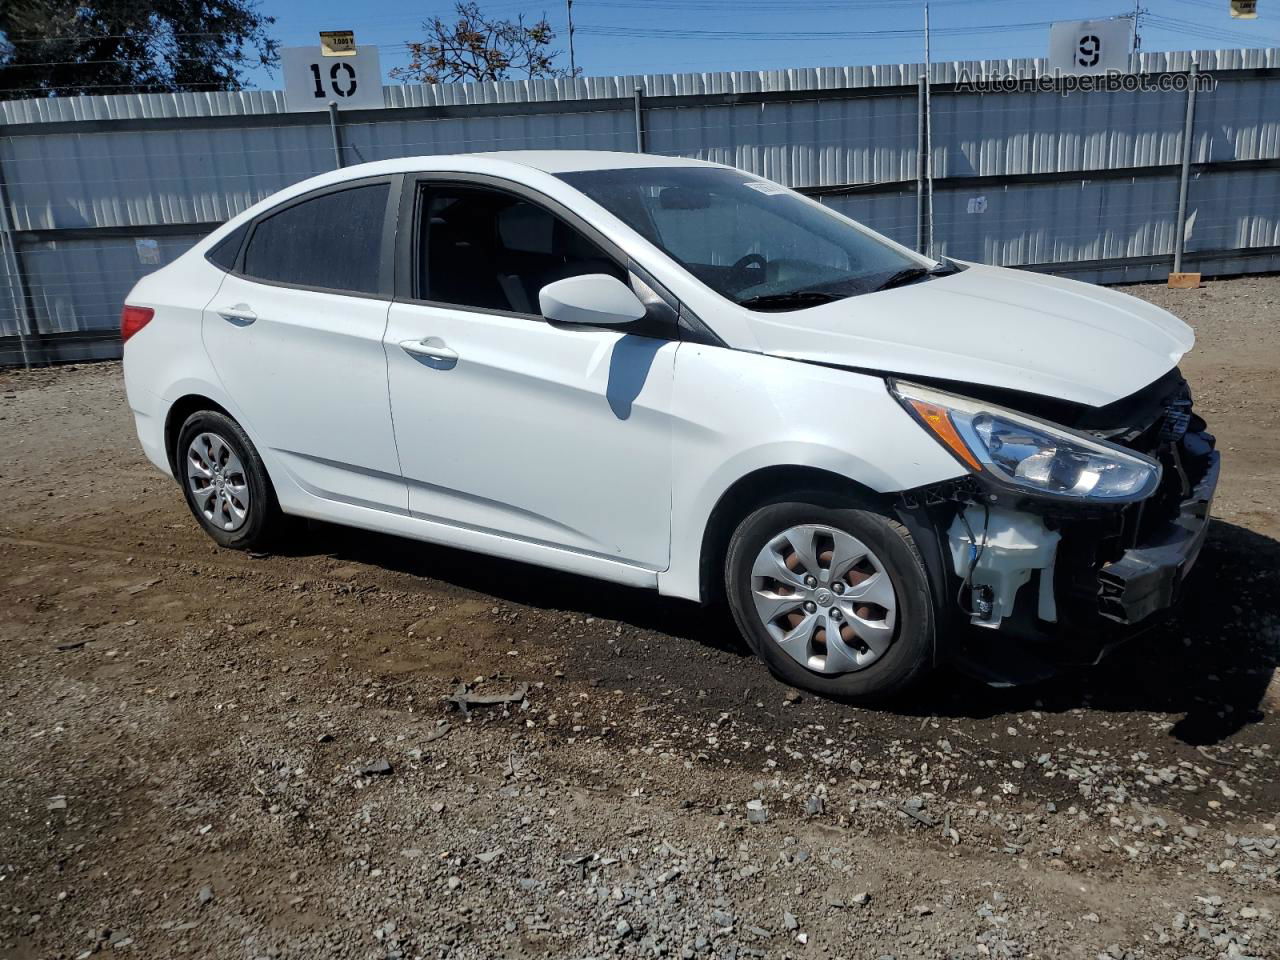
<point>736,413</point>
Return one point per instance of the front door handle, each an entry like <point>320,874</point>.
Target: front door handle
<point>238,313</point>
<point>432,348</point>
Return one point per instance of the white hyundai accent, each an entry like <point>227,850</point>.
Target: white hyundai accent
<point>676,375</point>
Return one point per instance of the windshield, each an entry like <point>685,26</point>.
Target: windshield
<point>752,241</point>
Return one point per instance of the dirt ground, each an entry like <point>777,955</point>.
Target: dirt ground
<point>206,753</point>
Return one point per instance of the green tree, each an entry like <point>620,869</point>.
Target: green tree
<point>59,48</point>
<point>478,47</point>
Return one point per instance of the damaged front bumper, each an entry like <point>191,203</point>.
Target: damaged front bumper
<point>1065,583</point>
<point>1148,578</point>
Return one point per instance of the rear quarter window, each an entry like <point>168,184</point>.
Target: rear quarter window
<point>223,253</point>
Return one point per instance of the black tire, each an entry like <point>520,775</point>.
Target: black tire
<point>909,655</point>
<point>263,521</point>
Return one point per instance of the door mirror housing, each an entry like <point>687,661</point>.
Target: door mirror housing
<point>593,299</point>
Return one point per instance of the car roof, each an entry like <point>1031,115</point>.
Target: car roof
<point>544,161</point>
<point>573,161</point>
<point>503,163</point>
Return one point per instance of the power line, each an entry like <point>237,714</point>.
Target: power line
<point>1157,21</point>
<point>1203,4</point>
<point>768,6</point>
<point>1219,34</point>
<point>608,31</point>
<point>111,36</point>
<point>679,34</point>
<point>77,63</point>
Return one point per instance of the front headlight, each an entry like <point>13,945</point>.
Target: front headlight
<point>1020,451</point>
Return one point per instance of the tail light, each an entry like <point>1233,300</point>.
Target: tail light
<point>133,319</point>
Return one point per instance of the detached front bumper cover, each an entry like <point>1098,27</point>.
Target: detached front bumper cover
<point>1148,578</point>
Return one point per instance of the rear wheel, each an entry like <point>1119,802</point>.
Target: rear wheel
<point>832,596</point>
<point>225,483</point>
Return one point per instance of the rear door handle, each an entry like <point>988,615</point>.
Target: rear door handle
<point>238,313</point>
<point>432,348</point>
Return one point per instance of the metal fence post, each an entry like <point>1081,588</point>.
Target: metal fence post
<point>639,122</point>
<point>336,134</point>
<point>928,137</point>
<point>922,161</point>
<point>13,267</point>
<point>1179,238</point>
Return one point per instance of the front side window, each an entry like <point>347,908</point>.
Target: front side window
<point>333,241</point>
<point>486,248</point>
<point>752,241</point>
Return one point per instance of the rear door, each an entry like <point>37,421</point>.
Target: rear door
<point>550,434</point>
<point>295,334</point>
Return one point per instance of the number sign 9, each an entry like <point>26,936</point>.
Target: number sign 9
<point>1090,46</point>
<point>1090,51</point>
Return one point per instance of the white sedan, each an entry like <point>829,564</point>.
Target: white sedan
<point>676,375</point>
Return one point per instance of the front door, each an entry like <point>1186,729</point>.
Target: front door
<point>505,423</point>
<point>295,334</point>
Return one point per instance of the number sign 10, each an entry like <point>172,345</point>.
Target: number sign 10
<point>342,80</point>
<point>313,81</point>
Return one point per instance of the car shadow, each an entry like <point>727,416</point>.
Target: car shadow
<point>1209,663</point>
<point>531,586</point>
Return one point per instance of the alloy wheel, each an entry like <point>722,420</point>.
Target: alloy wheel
<point>217,481</point>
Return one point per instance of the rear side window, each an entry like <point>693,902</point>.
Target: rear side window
<point>332,241</point>
<point>226,250</point>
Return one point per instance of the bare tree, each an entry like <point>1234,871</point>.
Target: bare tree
<point>478,47</point>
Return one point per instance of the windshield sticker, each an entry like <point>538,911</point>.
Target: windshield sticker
<point>765,187</point>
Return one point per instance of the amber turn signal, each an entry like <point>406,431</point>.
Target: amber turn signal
<point>938,420</point>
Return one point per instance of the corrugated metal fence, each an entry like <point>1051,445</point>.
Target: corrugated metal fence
<point>100,190</point>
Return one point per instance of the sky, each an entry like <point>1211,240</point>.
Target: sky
<point>684,36</point>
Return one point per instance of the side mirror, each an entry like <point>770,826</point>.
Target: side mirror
<point>593,299</point>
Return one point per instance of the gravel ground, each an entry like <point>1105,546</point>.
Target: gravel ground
<point>223,755</point>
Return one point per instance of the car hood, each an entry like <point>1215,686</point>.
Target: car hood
<point>994,326</point>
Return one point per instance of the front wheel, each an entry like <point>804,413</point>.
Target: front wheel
<point>832,596</point>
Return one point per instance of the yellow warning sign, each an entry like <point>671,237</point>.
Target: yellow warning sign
<point>338,43</point>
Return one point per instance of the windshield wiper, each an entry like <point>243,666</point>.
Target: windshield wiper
<point>903,277</point>
<point>908,274</point>
<point>793,300</point>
